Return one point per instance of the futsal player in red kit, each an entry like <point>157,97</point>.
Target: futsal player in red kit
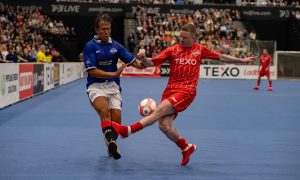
<point>264,69</point>
<point>185,58</point>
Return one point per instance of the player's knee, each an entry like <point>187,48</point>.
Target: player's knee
<point>160,112</point>
<point>104,112</point>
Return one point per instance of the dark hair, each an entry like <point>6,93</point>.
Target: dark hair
<point>102,17</point>
<point>189,28</point>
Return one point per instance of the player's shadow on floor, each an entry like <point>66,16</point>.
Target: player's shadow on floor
<point>126,167</point>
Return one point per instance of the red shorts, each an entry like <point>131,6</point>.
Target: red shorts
<point>180,99</point>
<point>264,73</point>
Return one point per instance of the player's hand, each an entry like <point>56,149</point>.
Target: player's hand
<point>120,70</point>
<point>249,59</point>
<point>141,56</point>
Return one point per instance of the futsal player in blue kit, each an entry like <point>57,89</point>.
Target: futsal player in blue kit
<point>101,56</point>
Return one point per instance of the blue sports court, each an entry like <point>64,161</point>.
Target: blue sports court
<point>241,134</point>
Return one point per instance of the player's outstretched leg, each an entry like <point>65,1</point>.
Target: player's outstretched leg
<point>125,131</point>
<point>166,126</point>
<point>163,109</point>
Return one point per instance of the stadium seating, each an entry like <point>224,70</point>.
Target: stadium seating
<point>216,29</point>
<point>23,28</point>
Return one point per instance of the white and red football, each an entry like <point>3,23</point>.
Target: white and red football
<point>147,106</point>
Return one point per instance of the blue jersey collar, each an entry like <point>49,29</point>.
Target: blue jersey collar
<point>96,38</point>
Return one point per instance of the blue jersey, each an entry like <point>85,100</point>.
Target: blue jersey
<point>104,57</point>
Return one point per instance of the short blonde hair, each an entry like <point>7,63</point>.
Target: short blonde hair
<point>189,28</point>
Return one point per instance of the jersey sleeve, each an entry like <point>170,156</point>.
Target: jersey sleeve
<point>89,57</point>
<point>125,55</point>
<point>162,56</point>
<point>209,54</point>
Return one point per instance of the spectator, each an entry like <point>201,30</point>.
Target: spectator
<point>81,57</point>
<point>252,35</point>
<point>41,56</point>
<point>48,55</point>
<point>223,31</point>
<point>3,53</point>
<point>19,55</point>
<point>180,2</point>
<point>26,56</point>
<point>131,42</point>
<point>2,58</point>
<point>12,56</point>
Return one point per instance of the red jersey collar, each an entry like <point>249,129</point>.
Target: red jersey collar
<point>186,48</point>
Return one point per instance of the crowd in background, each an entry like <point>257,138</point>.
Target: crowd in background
<point>216,29</point>
<point>23,33</point>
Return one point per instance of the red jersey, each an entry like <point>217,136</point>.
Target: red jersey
<point>184,64</point>
<point>265,61</point>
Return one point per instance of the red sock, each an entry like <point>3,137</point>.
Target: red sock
<point>270,83</point>
<point>182,144</point>
<point>258,82</point>
<point>106,123</point>
<point>136,127</point>
<point>109,131</point>
<point>125,131</point>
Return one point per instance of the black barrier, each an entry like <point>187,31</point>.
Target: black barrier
<point>165,69</point>
<point>52,7</point>
<point>38,78</point>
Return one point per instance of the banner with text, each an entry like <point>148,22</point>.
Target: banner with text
<point>62,73</point>
<point>20,81</point>
<point>56,74</point>
<point>48,76</point>
<point>233,72</point>
<point>9,84</point>
<point>26,80</point>
<point>148,72</point>
<point>56,8</point>
<point>38,78</point>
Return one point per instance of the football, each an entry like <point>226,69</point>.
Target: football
<point>147,106</point>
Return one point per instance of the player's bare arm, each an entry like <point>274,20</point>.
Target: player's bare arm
<point>97,73</point>
<point>139,64</point>
<point>142,61</point>
<point>228,58</point>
